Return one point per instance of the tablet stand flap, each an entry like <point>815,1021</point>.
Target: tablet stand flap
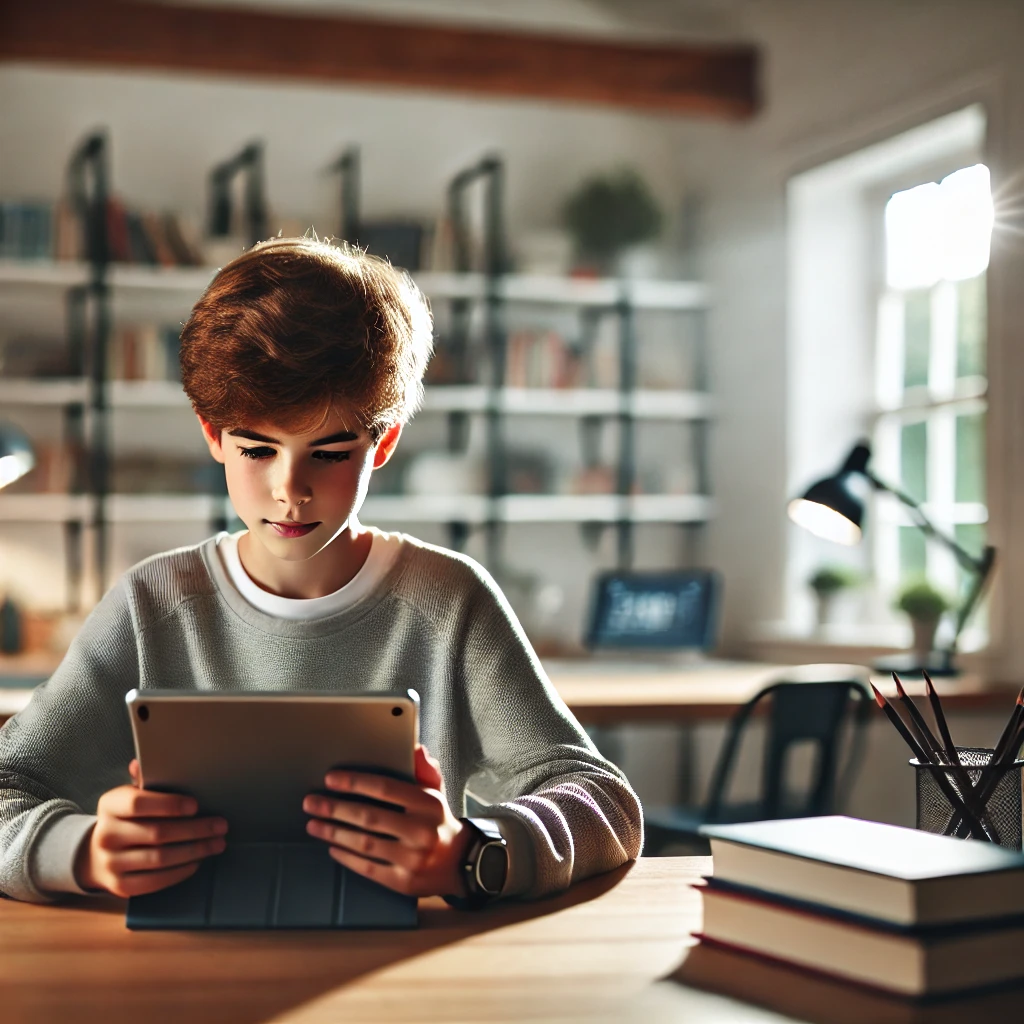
<point>272,885</point>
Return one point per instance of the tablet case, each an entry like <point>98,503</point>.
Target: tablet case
<point>270,875</point>
<point>272,885</point>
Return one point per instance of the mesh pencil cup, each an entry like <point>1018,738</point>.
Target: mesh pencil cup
<point>1001,787</point>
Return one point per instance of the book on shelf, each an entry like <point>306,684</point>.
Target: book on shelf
<point>144,352</point>
<point>896,909</point>
<point>26,230</point>
<point>41,230</point>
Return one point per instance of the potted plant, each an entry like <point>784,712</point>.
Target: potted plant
<point>608,214</point>
<point>827,581</point>
<point>925,606</point>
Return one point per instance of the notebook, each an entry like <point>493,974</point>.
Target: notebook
<point>894,874</point>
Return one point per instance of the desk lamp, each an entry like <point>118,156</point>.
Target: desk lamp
<point>16,457</point>
<point>833,508</point>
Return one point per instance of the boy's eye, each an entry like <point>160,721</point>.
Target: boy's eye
<point>257,453</point>
<point>331,456</point>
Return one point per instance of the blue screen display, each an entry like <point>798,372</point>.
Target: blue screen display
<point>666,609</point>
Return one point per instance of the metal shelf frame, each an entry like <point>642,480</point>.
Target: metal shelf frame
<point>91,287</point>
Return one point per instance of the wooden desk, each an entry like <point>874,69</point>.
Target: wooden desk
<point>606,693</point>
<point>615,949</point>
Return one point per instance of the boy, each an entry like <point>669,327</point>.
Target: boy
<point>302,362</point>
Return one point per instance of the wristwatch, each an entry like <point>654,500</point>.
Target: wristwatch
<point>485,866</point>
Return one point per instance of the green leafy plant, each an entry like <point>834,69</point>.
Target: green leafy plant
<point>830,579</point>
<point>610,212</point>
<point>921,601</point>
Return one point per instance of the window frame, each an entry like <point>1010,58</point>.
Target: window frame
<point>937,404</point>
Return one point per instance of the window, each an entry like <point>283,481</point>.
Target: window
<point>929,432</point>
<point>888,249</point>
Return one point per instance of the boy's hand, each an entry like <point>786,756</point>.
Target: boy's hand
<point>415,848</point>
<point>144,841</point>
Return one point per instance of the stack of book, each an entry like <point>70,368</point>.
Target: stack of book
<point>38,230</point>
<point>905,912</point>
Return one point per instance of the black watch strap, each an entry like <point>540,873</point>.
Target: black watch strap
<point>485,866</point>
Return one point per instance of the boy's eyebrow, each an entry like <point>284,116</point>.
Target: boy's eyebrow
<point>251,435</point>
<point>341,435</point>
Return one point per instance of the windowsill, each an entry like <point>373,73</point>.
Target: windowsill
<point>848,643</point>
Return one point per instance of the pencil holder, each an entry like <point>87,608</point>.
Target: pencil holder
<point>996,789</point>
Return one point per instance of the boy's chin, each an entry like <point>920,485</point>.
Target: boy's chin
<point>296,549</point>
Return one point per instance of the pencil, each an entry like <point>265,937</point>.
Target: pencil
<point>1009,730</point>
<point>1004,753</point>
<point>963,781</point>
<point>919,726</point>
<point>976,828</point>
<point>940,719</point>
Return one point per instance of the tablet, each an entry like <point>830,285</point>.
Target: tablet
<point>252,757</point>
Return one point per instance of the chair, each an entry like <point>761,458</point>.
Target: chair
<point>799,712</point>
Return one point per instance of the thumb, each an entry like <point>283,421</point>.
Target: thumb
<point>428,771</point>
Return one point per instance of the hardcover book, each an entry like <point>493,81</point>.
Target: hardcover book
<point>894,874</point>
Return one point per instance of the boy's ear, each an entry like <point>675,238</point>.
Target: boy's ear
<point>211,435</point>
<point>386,445</point>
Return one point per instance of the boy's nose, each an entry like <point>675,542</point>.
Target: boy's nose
<point>290,490</point>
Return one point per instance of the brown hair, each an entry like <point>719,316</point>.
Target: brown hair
<point>293,326</point>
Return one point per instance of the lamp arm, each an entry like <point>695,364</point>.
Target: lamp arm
<point>987,560</point>
<point>965,558</point>
<point>979,568</point>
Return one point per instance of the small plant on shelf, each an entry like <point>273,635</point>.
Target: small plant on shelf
<point>609,214</point>
<point>924,605</point>
<point>827,581</point>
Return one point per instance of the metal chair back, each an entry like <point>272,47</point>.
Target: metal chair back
<point>799,712</point>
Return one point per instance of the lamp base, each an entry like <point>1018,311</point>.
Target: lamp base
<point>938,663</point>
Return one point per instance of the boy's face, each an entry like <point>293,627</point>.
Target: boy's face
<point>297,492</point>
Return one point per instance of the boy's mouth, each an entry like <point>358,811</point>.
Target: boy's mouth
<point>289,529</point>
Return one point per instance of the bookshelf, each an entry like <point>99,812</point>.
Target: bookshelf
<point>120,291</point>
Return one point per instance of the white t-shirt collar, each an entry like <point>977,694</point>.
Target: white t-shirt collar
<point>384,550</point>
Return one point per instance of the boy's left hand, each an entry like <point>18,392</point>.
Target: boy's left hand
<point>415,849</point>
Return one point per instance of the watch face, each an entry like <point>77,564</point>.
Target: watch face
<point>492,868</point>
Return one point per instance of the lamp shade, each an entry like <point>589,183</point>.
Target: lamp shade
<point>16,457</point>
<point>833,507</point>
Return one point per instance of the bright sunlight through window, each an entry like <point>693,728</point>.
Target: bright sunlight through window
<point>939,231</point>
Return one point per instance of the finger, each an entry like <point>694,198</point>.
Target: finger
<point>129,802</point>
<point>395,878</point>
<point>143,882</point>
<point>409,795</point>
<point>428,771</point>
<point>382,849</point>
<point>126,833</point>
<point>133,770</point>
<point>412,829</point>
<point>159,858</point>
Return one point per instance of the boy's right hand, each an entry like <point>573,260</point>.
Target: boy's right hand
<point>144,841</point>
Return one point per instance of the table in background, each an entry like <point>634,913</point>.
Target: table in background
<point>612,692</point>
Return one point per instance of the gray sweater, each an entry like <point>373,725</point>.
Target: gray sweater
<point>437,622</point>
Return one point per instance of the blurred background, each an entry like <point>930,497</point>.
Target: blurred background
<point>682,255</point>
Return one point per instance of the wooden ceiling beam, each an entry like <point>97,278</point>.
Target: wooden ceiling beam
<point>716,81</point>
